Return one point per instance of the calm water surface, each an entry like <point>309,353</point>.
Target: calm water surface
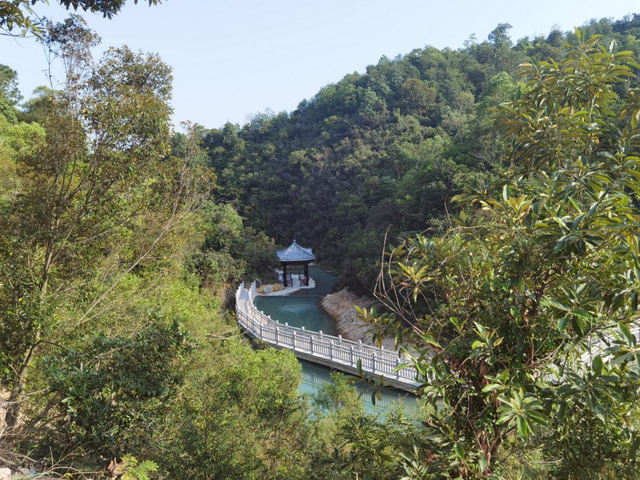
<point>303,309</point>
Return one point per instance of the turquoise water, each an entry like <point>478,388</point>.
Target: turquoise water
<point>325,283</point>
<point>314,376</point>
<point>303,309</point>
<point>298,311</point>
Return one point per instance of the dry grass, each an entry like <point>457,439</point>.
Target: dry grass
<point>341,306</point>
<point>275,287</point>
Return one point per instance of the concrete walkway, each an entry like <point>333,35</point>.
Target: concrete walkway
<point>335,352</point>
<point>289,290</point>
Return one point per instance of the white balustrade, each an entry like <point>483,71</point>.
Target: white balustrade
<point>336,350</point>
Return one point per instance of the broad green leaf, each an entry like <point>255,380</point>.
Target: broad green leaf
<point>491,387</point>
<point>550,302</point>
<point>631,339</point>
<point>596,365</point>
<point>562,323</point>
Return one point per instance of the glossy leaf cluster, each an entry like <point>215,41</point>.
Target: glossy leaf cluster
<point>526,307</point>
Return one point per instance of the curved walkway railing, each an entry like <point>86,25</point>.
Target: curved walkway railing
<point>335,352</point>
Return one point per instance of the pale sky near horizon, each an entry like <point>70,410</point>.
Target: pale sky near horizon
<point>232,59</point>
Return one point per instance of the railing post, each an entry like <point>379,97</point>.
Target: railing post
<point>253,321</point>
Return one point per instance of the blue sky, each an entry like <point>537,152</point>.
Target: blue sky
<point>234,58</point>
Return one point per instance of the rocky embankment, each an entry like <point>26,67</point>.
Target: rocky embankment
<point>341,306</point>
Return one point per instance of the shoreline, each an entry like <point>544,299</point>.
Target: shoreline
<point>341,307</point>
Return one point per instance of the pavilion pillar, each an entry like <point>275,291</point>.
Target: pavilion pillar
<point>306,274</point>
<point>284,274</point>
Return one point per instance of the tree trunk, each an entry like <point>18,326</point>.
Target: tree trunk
<point>13,409</point>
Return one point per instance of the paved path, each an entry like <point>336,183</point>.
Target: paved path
<point>335,352</point>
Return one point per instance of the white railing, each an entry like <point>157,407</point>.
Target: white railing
<point>335,351</point>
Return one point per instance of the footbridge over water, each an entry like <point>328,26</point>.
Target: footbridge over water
<point>334,352</point>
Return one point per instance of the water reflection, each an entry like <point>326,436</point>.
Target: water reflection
<point>303,309</point>
<point>314,376</point>
<point>298,312</point>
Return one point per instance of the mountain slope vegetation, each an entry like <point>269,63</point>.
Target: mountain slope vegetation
<point>380,154</point>
<point>496,184</point>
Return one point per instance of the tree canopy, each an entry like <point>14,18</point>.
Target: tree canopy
<point>488,196</point>
<point>18,15</point>
<point>526,304</point>
<point>381,154</point>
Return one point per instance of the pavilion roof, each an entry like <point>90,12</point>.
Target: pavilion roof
<point>295,253</point>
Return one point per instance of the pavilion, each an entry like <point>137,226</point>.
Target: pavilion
<point>295,256</point>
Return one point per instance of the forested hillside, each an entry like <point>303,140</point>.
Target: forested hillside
<point>381,153</point>
<point>505,176</point>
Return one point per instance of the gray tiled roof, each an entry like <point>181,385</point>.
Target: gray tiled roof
<point>295,253</point>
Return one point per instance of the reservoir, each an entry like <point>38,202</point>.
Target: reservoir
<point>304,309</point>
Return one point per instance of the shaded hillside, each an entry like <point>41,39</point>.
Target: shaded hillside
<point>383,150</point>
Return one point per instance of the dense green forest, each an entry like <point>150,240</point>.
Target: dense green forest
<point>504,177</point>
<point>381,153</point>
